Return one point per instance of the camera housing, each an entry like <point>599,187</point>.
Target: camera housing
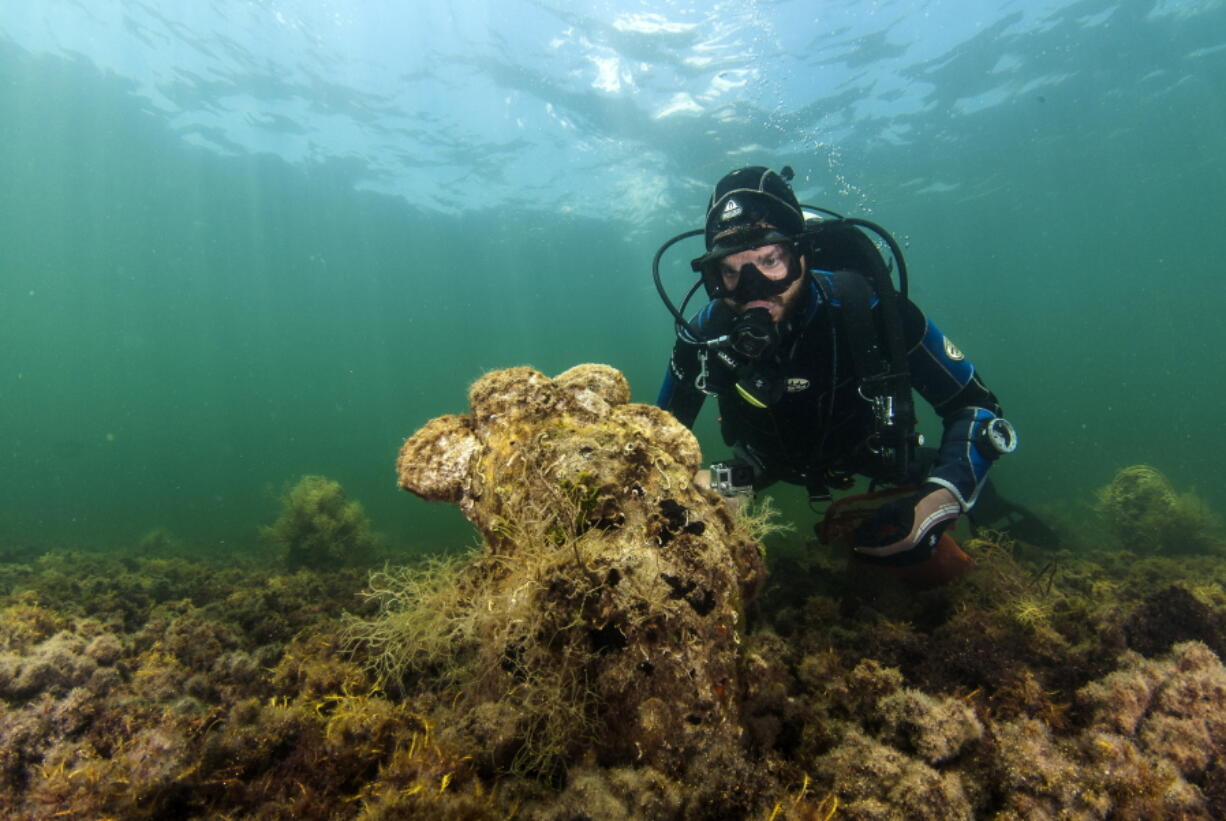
<point>732,477</point>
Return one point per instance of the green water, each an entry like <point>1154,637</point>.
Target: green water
<point>185,333</point>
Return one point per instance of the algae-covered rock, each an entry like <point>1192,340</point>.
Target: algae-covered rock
<point>1146,514</point>
<point>1153,740</point>
<point>604,612</point>
<point>1174,708</point>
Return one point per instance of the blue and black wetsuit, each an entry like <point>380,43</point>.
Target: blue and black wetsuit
<point>821,427</point>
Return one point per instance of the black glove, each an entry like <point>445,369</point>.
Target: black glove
<point>906,531</point>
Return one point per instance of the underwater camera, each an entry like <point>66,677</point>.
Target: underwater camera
<point>732,477</point>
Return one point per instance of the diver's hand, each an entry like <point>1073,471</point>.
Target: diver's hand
<point>907,530</point>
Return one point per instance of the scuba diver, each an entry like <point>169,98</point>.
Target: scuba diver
<point>812,354</point>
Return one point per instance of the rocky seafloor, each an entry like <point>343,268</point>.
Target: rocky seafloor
<point>619,646</point>
<point>1048,684</point>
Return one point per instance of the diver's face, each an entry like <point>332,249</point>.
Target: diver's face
<point>774,261</point>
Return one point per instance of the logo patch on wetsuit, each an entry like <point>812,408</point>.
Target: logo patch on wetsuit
<point>732,209</point>
<point>951,350</point>
<point>796,385</point>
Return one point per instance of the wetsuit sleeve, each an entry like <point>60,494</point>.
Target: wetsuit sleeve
<point>678,393</point>
<point>949,382</point>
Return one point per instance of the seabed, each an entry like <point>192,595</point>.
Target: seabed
<point>1080,682</point>
<point>1058,684</point>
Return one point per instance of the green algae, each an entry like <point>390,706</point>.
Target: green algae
<point>321,528</point>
